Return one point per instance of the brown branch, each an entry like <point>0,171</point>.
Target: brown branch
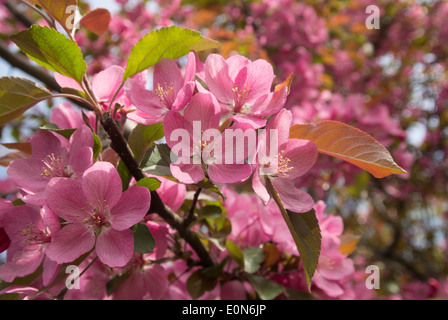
<point>121,147</point>
<point>191,216</point>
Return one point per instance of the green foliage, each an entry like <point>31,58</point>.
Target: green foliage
<point>143,240</point>
<point>18,95</point>
<point>52,50</point>
<point>168,42</point>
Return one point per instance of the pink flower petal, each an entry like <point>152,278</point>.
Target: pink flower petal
<point>70,243</point>
<point>187,173</point>
<point>22,263</point>
<point>66,82</point>
<point>259,187</point>
<point>218,79</point>
<point>229,173</point>
<point>167,75</point>
<point>302,155</point>
<point>204,108</point>
<point>66,199</point>
<point>107,82</point>
<point>293,198</point>
<point>50,271</point>
<point>145,100</point>
<point>115,248</point>
<point>233,290</point>
<point>156,281</point>
<point>184,96</point>
<point>101,182</point>
<point>132,207</point>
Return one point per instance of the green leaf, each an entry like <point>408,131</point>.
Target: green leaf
<point>265,288</point>
<point>52,50</point>
<point>235,252</point>
<point>209,185</point>
<point>66,133</point>
<point>143,240</point>
<point>305,231</point>
<point>253,257</point>
<point>168,42</point>
<point>97,146</point>
<point>210,212</point>
<point>18,95</point>
<point>151,183</point>
<point>143,137</point>
<point>157,160</point>
<point>198,283</point>
<point>116,281</point>
<point>125,175</point>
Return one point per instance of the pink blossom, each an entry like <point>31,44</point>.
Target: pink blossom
<point>243,88</point>
<point>170,92</point>
<point>104,85</point>
<point>292,159</point>
<point>97,214</point>
<point>204,110</point>
<point>146,281</point>
<point>50,159</point>
<point>30,231</point>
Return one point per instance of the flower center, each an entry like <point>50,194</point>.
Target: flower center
<point>34,236</point>
<point>163,91</point>
<point>282,167</point>
<point>53,167</point>
<point>96,215</point>
<point>240,97</point>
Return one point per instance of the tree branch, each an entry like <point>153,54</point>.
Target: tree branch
<point>120,145</point>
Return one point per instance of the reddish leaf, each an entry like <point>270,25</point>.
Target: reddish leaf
<point>350,144</point>
<point>97,21</point>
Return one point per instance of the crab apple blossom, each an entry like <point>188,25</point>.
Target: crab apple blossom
<point>201,116</point>
<point>243,88</point>
<point>288,159</point>
<point>30,230</point>
<point>49,159</point>
<point>97,214</point>
<point>170,92</point>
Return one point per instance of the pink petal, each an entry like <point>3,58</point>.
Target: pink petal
<point>143,118</point>
<point>173,121</point>
<point>303,155</point>
<point>233,290</point>
<point>132,207</point>
<point>204,108</point>
<point>260,75</point>
<point>65,116</point>
<point>183,96</point>
<point>82,137</point>
<point>20,290</point>
<point>236,63</point>
<point>160,234</point>
<point>254,122</point>
<point>145,100</point>
<point>331,288</point>
<point>20,218</point>
<point>66,199</point>
<point>50,271</point>
<point>81,160</point>
<point>190,68</point>
<point>270,103</point>
<point>115,248</point>
<point>107,82</point>
<point>218,79</point>
<point>70,243</point>
<point>156,281</point>
<point>23,263</point>
<point>44,143</point>
<point>229,173</point>
<point>66,82</point>
<point>259,187</point>
<point>172,193</point>
<point>293,198</point>
<point>280,122</point>
<point>167,75</point>
<point>187,173</point>
<point>101,182</point>
<point>27,173</point>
